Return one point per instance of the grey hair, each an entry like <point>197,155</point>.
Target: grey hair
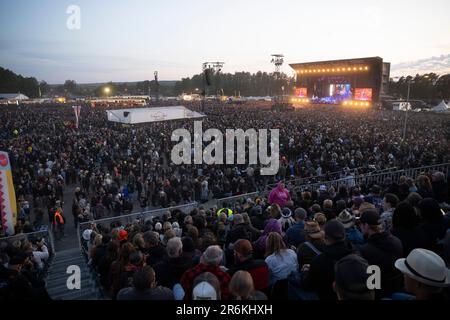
<point>212,256</point>
<point>174,247</point>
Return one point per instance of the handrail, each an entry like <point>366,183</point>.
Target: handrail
<point>354,179</point>
<point>46,233</point>
<point>411,172</point>
<point>137,214</point>
<point>239,196</point>
<point>306,180</point>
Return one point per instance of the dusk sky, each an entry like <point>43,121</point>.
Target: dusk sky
<point>128,40</point>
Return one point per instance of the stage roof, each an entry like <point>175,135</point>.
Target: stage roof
<point>357,61</point>
<point>145,115</point>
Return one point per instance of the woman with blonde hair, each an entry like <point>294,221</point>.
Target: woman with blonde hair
<point>242,287</point>
<point>280,260</point>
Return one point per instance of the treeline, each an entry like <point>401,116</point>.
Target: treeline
<point>243,83</point>
<point>429,87</point>
<point>14,83</point>
<point>71,88</point>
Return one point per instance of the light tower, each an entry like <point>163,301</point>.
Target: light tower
<point>209,67</point>
<point>156,85</point>
<point>277,60</point>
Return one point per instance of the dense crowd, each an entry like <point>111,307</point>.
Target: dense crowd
<point>117,166</point>
<point>289,244</point>
<point>309,246</point>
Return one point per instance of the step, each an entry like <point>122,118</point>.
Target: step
<point>77,295</point>
<point>63,277</point>
<point>63,269</point>
<point>60,263</point>
<point>52,283</point>
<point>68,252</point>
<point>86,285</point>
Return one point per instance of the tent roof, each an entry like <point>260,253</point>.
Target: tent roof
<point>441,106</point>
<point>13,96</point>
<point>144,115</point>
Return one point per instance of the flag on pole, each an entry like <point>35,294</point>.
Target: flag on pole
<point>77,110</point>
<point>8,207</point>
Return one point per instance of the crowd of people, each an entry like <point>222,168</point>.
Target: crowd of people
<point>118,166</point>
<point>306,248</point>
<point>287,245</point>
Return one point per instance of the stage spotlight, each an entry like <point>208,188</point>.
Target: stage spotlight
<point>332,70</point>
<point>366,68</point>
<point>354,68</point>
<point>349,69</point>
<point>323,70</point>
<point>339,69</point>
<point>360,68</point>
<point>328,70</point>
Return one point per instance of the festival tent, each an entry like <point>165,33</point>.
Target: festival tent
<point>441,107</point>
<point>12,97</point>
<point>143,115</point>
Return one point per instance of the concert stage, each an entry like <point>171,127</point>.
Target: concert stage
<point>351,82</point>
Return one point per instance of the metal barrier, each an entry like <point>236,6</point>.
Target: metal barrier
<point>46,234</point>
<point>291,184</point>
<point>130,218</point>
<point>379,178</point>
<point>230,201</point>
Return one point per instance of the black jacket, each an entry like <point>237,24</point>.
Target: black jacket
<point>411,238</point>
<point>258,221</point>
<point>155,254</point>
<point>240,231</point>
<point>169,271</point>
<point>434,232</point>
<point>320,277</point>
<point>383,249</point>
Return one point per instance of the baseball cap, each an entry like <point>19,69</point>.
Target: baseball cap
<point>204,291</point>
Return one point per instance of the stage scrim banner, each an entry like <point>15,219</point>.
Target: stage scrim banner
<point>8,207</point>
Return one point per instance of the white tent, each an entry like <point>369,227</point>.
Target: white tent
<point>143,115</point>
<point>12,97</point>
<point>441,107</point>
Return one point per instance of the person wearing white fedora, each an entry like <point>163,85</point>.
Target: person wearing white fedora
<point>425,274</point>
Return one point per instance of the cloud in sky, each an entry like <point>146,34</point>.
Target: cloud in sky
<point>439,65</point>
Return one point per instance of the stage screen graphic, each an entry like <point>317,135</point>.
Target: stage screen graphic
<point>363,94</point>
<point>340,91</point>
<point>301,92</point>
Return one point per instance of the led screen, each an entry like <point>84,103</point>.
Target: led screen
<point>363,94</point>
<point>301,92</point>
